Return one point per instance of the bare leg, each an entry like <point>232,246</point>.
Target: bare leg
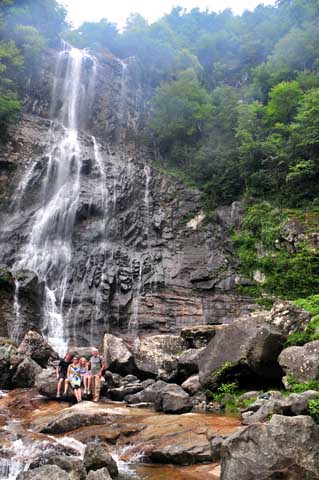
<point>89,383</point>
<point>79,394</point>
<point>66,385</point>
<point>76,394</point>
<point>59,386</point>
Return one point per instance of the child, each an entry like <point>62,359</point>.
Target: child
<point>75,378</point>
<point>85,375</point>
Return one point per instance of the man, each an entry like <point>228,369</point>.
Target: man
<point>61,374</point>
<point>97,366</point>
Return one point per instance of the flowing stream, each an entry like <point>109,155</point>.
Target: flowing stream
<point>23,412</point>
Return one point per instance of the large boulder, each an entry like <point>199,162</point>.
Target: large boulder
<point>247,347</point>
<point>46,384</point>
<point>301,362</point>
<point>7,355</point>
<point>185,448</point>
<point>168,397</point>
<point>198,336</point>
<point>47,472</point>
<point>79,415</point>
<point>118,357</point>
<point>118,394</point>
<point>175,400</point>
<point>96,457</point>
<point>33,345</point>
<point>188,362</point>
<point>160,351</point>
<point>288,318</point>
<point>192,385</point>
<point>26,373</point>
<point>285,448</point>
<point>294,404</point>
<point>72,465</point>
<point>101,474</point>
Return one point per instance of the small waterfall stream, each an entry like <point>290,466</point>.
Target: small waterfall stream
<point>17,311</point>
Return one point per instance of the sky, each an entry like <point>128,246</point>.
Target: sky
<point>118,10</point>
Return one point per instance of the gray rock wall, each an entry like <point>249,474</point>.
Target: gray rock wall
<point>142,258</point>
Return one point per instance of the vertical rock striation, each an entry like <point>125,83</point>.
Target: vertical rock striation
<point>115,244</point>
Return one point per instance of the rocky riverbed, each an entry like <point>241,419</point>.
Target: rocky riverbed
<point>162,409</point>
<point>145,444</point>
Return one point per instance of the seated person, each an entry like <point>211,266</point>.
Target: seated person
<point>61,373</point>
<point>75,378</point>
<point>85,375</point>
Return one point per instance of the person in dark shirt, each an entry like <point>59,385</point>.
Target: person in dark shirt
<point>61,374</point>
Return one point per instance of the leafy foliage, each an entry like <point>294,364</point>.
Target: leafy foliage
<point>259,245</point>
<point>26,28</point>
<point>224,390</point>
<point>313,407</point>
<point>296,387</point>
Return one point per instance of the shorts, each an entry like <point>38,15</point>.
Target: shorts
<point>62,375</point>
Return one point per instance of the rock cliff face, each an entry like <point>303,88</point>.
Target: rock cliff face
<point>140,257</point>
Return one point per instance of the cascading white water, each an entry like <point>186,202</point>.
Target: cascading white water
<point>147,172</point>
<point>48,252</point>
<point>122,103</point>
<point>17,311</point>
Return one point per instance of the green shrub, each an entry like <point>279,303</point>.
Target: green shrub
<point>247,402</point>
<point>288,275</point>
<point>311,304</point>
<point>224,390</point>
<point>296,387</point>
<point>299,339</point>
<point>313,407</point>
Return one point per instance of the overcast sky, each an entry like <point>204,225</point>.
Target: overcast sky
<point>118,10</point>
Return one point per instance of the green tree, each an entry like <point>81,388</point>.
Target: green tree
<point>306,128</point>
<point>101,35</point>
<point>284,100</point>
<point>180,108</point>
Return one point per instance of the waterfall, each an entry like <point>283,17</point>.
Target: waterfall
<point>133,322</point>
<point>48,251</point>
<point>17,312</point>
<point>122,102</point>
<point>147,172</point>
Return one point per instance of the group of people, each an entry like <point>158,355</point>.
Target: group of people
<point>80,372</point>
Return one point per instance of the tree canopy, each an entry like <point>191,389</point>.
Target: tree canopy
<point>232,100</point>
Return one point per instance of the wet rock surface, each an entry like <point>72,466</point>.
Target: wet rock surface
<point>185,439</point>
<point>34,346</point>
<point>286,448</point>
<point>136,261</point>
<point>101,474</point>
<point>301,362</point>
<point>71,465</point>
<point>248,347</point>
<point>26,373</point>
<point>80,415</point>
<point>288,318</point>
<point>96,458</point>
<point>275,403</point>
<point>50,472</point>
